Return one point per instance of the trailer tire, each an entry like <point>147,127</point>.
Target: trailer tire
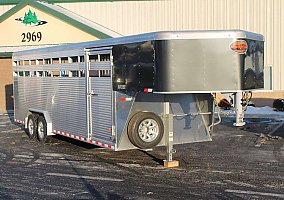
<point>145,130</point>
<point>31,126</point>
<point>41,129</point>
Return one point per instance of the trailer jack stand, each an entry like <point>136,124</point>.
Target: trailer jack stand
<point>239,110</point>
<point>169,162</point>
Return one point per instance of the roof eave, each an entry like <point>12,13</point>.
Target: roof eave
<point>13,2</point>
<point>6,54</point>
<point>67,19</point>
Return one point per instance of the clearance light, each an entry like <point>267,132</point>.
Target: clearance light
<point>148,90</point>
<point>240,46</point>
<point>125,99</point>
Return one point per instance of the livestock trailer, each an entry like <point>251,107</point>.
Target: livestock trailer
<point>136,91</point>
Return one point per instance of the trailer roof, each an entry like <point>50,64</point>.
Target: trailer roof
<point>163,35</point>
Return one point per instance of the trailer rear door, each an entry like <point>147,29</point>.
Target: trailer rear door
<point>99,93</point>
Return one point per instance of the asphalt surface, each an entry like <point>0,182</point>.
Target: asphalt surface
<point>229,167</point>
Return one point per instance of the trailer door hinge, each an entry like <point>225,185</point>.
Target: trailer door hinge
<point>113,133</point>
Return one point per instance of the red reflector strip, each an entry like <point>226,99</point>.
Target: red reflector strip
<point>125,99</point>
<point>19,121</point>
<point>148,90</point>
<point>83,139</point>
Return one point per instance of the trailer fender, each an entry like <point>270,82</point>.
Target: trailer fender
<point>47,118</point>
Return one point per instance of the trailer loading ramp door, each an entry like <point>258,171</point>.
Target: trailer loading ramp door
<point>99,93</point>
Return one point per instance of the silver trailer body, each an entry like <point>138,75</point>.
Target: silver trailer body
<point>92,91</point>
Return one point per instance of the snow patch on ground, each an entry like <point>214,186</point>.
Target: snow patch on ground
<point>255,114</point>
<point>266,110</point>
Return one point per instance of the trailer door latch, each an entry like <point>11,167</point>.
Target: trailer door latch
<point>92,93</point>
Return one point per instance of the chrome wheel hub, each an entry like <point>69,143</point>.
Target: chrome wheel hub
<point>148,130</point>
<point>31,127</point>
<point>40,130</point>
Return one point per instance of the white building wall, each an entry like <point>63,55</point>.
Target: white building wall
<point>131,17</point>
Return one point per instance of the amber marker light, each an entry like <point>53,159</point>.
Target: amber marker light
<point>239,46</point>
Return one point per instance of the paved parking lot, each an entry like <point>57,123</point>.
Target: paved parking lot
<point>229,167</point>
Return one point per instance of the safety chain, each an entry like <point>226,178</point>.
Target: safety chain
<point>220,111</point>
<point>246,96</point>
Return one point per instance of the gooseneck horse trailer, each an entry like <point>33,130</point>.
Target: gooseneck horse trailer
<point>138,91</point>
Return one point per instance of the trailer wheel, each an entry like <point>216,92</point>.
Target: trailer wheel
<point>145,130</point>
<point>32,128</point>
<point>41,129</point>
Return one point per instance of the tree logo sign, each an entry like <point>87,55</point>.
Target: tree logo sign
<point>31,19</point>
